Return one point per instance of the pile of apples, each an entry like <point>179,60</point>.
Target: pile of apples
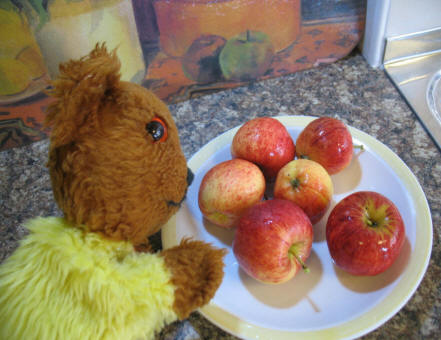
<point>273,190</point>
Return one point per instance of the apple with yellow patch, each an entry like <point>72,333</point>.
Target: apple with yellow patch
<point>228,189</point>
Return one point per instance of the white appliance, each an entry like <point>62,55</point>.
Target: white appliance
<point>404,38</point>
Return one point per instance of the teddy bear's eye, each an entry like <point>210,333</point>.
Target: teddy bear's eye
<point>157,129</point>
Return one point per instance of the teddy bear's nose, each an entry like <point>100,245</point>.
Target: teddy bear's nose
<point>190,176</point>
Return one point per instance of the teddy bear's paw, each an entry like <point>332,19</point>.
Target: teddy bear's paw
<point>197,272</point>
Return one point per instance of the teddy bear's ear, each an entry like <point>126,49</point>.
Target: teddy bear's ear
<point>80,89</point>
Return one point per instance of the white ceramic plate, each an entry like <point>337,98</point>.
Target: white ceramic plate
<point>327,303</point>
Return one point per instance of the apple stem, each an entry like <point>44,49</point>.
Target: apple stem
<point>359,146</point>
<point>370,223</point>
<point>295,183</point>
<point>304,266</point>
<point>304,157</point>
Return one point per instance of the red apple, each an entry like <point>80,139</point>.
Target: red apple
<point>228,189</point>
<point>327,141</point>
<point>365,233</point>
<point>307,184</point>
<point>273,240</point>
<point>265,142</point>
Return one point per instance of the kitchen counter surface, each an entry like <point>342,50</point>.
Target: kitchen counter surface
<point>348,89</point>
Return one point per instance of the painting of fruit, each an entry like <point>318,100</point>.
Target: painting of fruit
<point>255,40</point>
<point>179,49</point>
<point>38,35</point>
<point>180,22</point>
<point>75,27</point>
<point>21,63</point>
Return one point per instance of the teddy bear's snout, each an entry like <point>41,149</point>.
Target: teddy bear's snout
<point>190,177</point>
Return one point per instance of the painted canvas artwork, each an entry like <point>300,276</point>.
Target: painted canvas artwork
<point>179,49</point>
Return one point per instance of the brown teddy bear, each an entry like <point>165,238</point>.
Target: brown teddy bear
<point>118,174</point>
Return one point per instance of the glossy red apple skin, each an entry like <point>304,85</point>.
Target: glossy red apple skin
<point>355,245</point>
<point>327,141</point>
<point>228,189</point>
<point>307,184</point>
<point>266,142</point>
<point>264,236</point>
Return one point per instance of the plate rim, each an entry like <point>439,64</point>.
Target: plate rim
<point>379,313</point>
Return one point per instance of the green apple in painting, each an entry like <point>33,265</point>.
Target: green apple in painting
<point>246,56</point>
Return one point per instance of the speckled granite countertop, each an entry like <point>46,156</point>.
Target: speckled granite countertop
<point>349,89</point>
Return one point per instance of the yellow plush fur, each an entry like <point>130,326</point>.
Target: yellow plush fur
<point>86,287</point>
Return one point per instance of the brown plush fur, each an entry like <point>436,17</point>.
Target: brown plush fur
<point>110,175</point>
<point>106,170</point>
<point>197,273</point>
